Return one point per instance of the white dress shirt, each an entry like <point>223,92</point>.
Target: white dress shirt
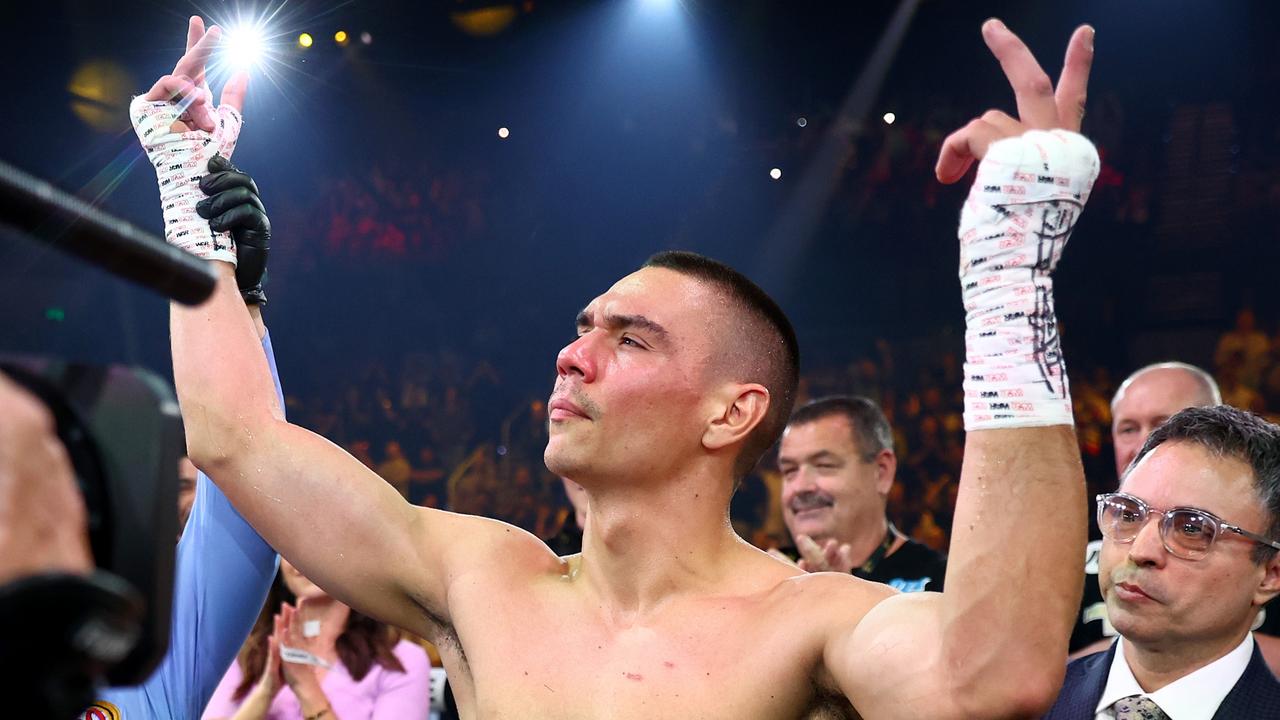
<point>1193,697</point>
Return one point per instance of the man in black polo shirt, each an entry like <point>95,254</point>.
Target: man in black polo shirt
<point>838,464</point>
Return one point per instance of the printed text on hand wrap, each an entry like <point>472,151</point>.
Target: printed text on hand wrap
<point>1027,196</point>
<point>180,160</point>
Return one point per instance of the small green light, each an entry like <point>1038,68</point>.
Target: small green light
<point>56,314</point>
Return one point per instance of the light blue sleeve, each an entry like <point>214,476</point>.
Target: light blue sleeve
<point>223,571</point>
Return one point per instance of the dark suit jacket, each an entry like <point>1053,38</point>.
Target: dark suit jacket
<point>1256,696</point>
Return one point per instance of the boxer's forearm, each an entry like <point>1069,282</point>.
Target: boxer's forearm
<point>1015,568</point>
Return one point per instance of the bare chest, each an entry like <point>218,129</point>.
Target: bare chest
<point>550,656</point>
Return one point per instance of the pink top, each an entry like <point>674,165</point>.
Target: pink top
<point>382,695</point>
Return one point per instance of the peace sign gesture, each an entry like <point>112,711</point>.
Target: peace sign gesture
<point>187,85</point>
<point>1040,105</point>
<point>181,131</point>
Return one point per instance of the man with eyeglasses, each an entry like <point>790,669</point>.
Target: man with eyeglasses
<point>1148,397</point>
<point>1189,556</point>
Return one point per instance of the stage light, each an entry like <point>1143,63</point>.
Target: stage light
<point>340,37</point>
<point>244,46</point>
<point>305,40</point>
<point>366,38</point>
<point>99,92</point>
<point>889,118</point>
<point>802,121</point>
<point>485,21</point>
<point>503,133</point>
<point>776,174</point>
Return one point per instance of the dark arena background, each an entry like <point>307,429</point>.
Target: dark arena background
<point>449,182</point>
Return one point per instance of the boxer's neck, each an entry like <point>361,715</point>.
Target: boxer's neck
<point>644,544</point>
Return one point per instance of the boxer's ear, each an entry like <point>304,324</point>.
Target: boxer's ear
<point>736,410</point>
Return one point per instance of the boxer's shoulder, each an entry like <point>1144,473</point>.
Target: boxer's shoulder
<point>839,599</point>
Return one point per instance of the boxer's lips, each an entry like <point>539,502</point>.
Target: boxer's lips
<point>560,409</point>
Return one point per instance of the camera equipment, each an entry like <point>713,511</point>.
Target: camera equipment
<point>64,634</point>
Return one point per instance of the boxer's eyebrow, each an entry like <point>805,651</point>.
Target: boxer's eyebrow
<point>586,319</point>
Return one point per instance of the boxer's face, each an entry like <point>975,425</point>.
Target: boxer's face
<point>631,391</point>
<point>1155,599</point>
<point>1145,403</point>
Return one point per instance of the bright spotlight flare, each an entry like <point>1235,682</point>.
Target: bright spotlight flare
<point>255,41</point>
<point>244,46</point>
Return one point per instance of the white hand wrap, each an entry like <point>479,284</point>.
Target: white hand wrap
<point>180,160</point>
<point>1027,196</point>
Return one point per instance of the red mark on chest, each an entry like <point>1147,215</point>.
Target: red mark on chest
<point>633,676</point>
<point>668,663</point>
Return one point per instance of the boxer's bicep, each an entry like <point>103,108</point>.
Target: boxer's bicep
<point>891,664</point>
<point>340,523</point>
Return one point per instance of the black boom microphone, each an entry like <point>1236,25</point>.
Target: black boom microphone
<point>46,214</point>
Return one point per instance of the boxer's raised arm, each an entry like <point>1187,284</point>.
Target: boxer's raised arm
<point>336,520</point>
<point>994,644</point>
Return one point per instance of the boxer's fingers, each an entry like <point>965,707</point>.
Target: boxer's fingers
<point>1031,85</point>
<point>195,31</point>
<point>1003,122</point>
<point>1073,83</point>
<point>175,88</point>
<point>962,147</point>
<point>233,92</point>
<point>192,100</point>
<point>193,62</point>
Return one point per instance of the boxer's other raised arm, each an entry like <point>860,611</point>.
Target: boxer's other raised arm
<point>994,644</point>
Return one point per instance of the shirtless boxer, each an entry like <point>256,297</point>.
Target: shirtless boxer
<point>682,374</point>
